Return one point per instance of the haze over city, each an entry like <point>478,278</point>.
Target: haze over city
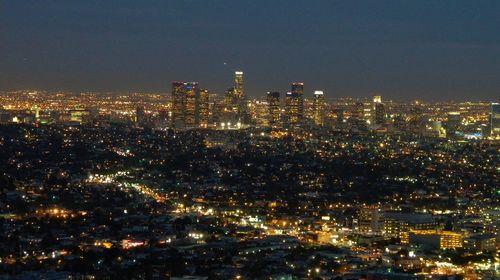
<point>430,50</point>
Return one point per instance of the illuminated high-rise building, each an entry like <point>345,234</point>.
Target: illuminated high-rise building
<point>379,113</point>
<point>357,119</point>
<point>261,117</point>
<point>294,105</point>
<point>495,119</point>
<point>229,107</point>
<point>230,100</point>
<point>192,113</point>
<point>235,105</point>
<point>357,112</point>
<point>379,110</point>
<point>452,124</point>
<point>417,117</point>
<point>238,85</point>
<point>273,101</point>
<point>204,108</point>
<point>185,104</point>
<point>178,104</point>
<point>287,117</point>
<point>218,108</point>
<point>239,94</point>
<point>318,108</point>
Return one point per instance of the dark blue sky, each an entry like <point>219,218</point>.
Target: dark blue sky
<point>432,50</point>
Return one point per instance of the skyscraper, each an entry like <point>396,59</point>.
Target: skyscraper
<point>239,94</point>
<point>417,117</point>
<point>203,108</point>
<point>318,108</point>
<point>261,116</point>
<point>178,104</point>
<point>357,111</point>
<point>185,104</point>
<point>294,105</point>
<point>230,100</point>
<point>452,124</point>
<point>192,111</point>
<point>238,85</point>
<point>273,100</point>
<point>235,107</point>
<point>357,116</point>
<point>379,110</point>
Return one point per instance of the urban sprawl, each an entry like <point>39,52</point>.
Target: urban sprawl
<point>192,184</point>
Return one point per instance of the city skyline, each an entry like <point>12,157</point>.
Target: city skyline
<point>420,50</point>
<point>280,140</point>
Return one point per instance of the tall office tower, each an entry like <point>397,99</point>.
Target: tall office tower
<point>358,111</point>
<point>218,107</point>
<point>379,110</point>
<point>228,109</point>
<point>239,94</point>
<point>294,105</point>
<point>357,115</point>
<point>238,85</point>
<point>452,123</point>
<point>287,117</point>
<point>273,100</point>
<point>417,118</point>
<point>318,108</point>
<point>495,119</point>
<point>298,90</point>
<point>229,99</point>
<point>261,118</point>
<point>192,112</point>
<point>379,113</point>
<point>185,104</point>
<point>204,111</point>
<point>178,104</point>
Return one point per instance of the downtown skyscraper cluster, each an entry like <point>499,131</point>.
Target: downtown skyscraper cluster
<point>190,104</point>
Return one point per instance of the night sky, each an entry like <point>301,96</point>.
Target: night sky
<point>431,50</point>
